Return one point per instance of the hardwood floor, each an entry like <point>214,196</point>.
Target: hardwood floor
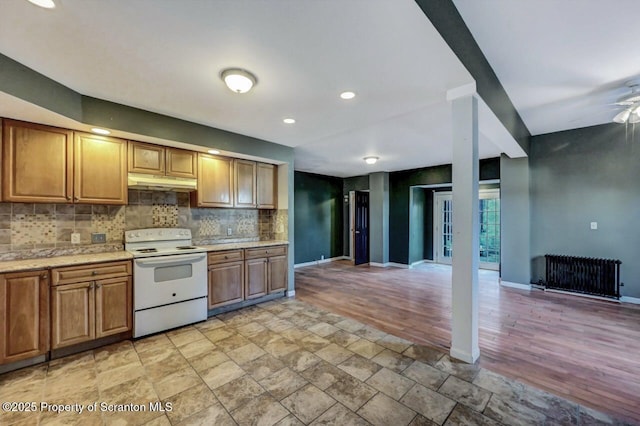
<point>585,350</point>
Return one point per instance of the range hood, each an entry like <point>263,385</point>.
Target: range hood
<point>161,183</point>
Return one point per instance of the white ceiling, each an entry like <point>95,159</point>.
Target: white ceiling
<point>560,61</point>
<point>165,56</point>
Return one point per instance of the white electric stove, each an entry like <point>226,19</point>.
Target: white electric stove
<point>169,279</point>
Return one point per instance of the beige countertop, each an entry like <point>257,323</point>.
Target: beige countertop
<point>252,244</point>
<point>83,259</point>
<point>58,261</point>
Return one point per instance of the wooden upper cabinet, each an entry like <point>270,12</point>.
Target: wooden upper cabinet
<point>161,160</point>
<point>215,182</point>
<point>267,186</point>
<point>245,183</point>
<point>24,315</point>
<point>181,163</point>
<point>100,169</point>
<point>146,158</point>
<point>37,163</point>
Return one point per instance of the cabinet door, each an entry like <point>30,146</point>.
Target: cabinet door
<point>215,181</point>
<point>24,315</point>
<point>146,158</point>
<point>181,163</point>
<point>37,163</point>
<point>113,306</point>
<point>267,186</point>
<point>100,169</point>
<point>278,267</point>
<point>256,278</point>
<point>226,284</point>
<point>245,183</point>
<point>72,314</point>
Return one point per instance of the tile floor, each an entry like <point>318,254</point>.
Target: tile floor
<point>279,363</point>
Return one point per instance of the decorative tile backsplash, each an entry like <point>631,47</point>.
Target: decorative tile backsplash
<point>41,230</point>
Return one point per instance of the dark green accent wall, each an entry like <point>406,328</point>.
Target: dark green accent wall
<point>24,83</point>
<point>447,20</point>
<point>582,176</point>
<point>318,217</point>
<point>417,224</point>
<point>400,184</point>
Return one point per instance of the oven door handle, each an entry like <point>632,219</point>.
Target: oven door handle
<point>170,260</point>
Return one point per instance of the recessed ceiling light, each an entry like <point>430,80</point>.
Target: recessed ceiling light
<point>47,4</point>
<point>213,151</point>
<point>238,80</point>
<point>100,131</point>
<point>370,160</point>
<point>289,120</point>
<point>347,95</point>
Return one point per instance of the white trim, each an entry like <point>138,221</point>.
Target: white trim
<point>627,299</point>
<point>291,293</point>
<point>464,356</point>
<point>389,264</point>
<point>379,265</point>
<point>352,215</point>
<point>515,285</point>
<point>468,89</point>
<point>588,296</point>
<point>317,262</point>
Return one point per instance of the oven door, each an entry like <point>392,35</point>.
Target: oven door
<point>163,280</point>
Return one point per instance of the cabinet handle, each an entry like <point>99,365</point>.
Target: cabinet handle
<point>76,199</point>
<point>69,197</point>
<point>44,276</point>
<point>226,257</point>
<point>98,285</point>
<point>94,272</point>
<point>93,285</point>
<point>267,251</point>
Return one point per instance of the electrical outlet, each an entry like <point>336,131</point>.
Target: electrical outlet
<point>229,231</point>
<point>322,257</point>
<point>594,225</point>
<point>98,238</point>
<point>75,238</point>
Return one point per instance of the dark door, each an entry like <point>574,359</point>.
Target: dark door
<point>362,228</point>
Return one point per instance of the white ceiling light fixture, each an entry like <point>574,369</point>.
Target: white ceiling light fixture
<point>238,80</point>
<point>289,120</point>
<point>100,131</point>
<point>46,4</point>
<point>347,95</point>
<point>371,159</point>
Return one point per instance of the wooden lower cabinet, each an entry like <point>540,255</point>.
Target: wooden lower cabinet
<point>113,306</point>
<point>24,315</point>
<point>256,275</point>
<point>266,271</point>
<point>226,284</point>
<point>278,273</point>
<point>88,310</point>
<point>72,314</point>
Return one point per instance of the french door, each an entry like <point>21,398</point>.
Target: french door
<point>489,242</point>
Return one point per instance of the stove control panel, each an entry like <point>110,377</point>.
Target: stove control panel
<point>157,234</point>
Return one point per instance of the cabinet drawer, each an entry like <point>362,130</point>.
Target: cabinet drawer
<point>255,253</point>
<point>97,271</point>
<point>225,256</point>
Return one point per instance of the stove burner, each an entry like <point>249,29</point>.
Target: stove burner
<point>186,248</point>
<point>147,250</point>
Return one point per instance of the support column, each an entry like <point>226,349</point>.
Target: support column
<point>464,315</point>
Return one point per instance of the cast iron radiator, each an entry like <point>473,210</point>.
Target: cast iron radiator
<point>600,277</point>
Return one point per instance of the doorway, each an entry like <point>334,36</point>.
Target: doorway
<point>361,228</point>
<point>489,238</point>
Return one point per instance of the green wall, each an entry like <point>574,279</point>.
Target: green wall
<point>401,183</point>
<point>582,176</point>
<point>319,217</point>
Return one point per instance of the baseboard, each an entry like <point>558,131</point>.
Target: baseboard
<point>515,285</point>
<point>379,265</point>
<point>290,293</point>
<point>464,355</point>
<point>627,299</point>
<point>317,262</point>
<point>588,296</point>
